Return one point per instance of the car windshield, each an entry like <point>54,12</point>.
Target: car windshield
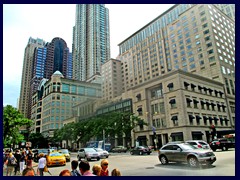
<point>55,154</point>
<point>90,150</point>
<point>98,149</point>
<point>43,151</point>
<point>186,146</point>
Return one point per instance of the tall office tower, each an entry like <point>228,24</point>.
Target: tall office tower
<point>69,66</point>
<point>195,38</point>
<point>24,107</point>
<point>57,58</point>
<point>91,41</point>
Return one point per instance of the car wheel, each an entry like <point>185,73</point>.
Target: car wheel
<point>131,153</point>
<point>214,149</point>
<point>140,153</point>
<point>163,160</point>
<point>224,148</point>
<point>148,153</point>
<point>79,159</point>
<point>98,159</point>
<point>193,162</point>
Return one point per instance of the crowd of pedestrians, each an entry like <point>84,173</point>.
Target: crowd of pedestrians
<point>20,163</point>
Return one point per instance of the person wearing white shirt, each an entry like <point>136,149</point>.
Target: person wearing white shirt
<point>41,163</point>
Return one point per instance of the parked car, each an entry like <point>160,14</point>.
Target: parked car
<point>199,144</point>
<point>140,150</point>
<point>88,154</point>
<point>103,153</point>
<point>184,152</point>
<point>221,143</point>
<point>66,153</point>
<point>55,158</point>
<point>119,149</point>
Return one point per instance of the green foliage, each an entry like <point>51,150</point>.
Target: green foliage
<point>114,123</point>
<point>38,140</point>
<point>12,121</point>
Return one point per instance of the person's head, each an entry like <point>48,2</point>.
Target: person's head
<point>74,164</point>
<point>116,172</point>
<point>41,155</point>
<point>97,169</point>
<point>28,172</point>
<point>65,173</point>
<point>104,164</point>
<point>84,166</point>
<point>10,155</point>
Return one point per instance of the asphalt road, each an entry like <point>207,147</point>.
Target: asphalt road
<point>149,165</point>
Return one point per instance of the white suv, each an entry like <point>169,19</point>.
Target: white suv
<point>88,154</point>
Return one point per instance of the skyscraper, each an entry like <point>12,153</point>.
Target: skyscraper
<point>91,42</point>
<point>28,61</point>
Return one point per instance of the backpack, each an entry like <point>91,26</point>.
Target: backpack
<point>12,161</point>
<point>75,173</point>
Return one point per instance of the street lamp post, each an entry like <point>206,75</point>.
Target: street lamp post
<point>103,139</point>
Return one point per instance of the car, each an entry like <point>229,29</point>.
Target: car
<point>119,149</point>
<point>221,143</point>
<point>88,154</point>
<point>186,153</point>
<point>199,144</point>
<point>38,151</point>
<point>55,158</point>
<point>103,153</point>
<point>140,150</point>
<point>66,153</point>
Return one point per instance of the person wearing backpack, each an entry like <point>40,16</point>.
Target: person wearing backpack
<point>11,163</point>
<point>74,165</point>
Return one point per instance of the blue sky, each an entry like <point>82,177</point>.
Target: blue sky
<point>47,21</point>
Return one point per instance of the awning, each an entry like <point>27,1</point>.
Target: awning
<point>197,133</point>
<point>226,119</point>
<point>215,119</point>
<point>188,100</point>
<point>208,103</point>
<point>195,101</point>
<point>221,119</point>
<point>213,104</point>
<point>172,101</point>
<point>193,85</point>
<point>191,116</point>
<point>205,117</point>
<point>205,89</point>
<point>138,96</point>
<point>216,92</point>
<point>200,87</point>
<point>139,109</point>
<point>198,117</point>
<point>174,118</point>
<point>177,134</point>
<point>202,102</point>
<point>221,92</point>
<point>170,85</point>
<point>210,90</point>
<point>186,84</point>
<point>210,118</point>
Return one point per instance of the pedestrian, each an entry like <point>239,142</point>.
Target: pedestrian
<point>11,163</point>
<point>74,165</point>
<point>22,161</point>
<point>29,158</point>
<point>84,168</point>
<point>65,173</point>
<point>17,155</point>
<point>116,172</point>
<point>96,169</point>
<point>28,172</point>
<point>41,163</point>
<point>104,165</point>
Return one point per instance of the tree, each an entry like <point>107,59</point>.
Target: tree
<point>12,121</point>
<point>38,140</point>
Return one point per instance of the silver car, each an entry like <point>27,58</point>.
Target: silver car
<point>88,154</point>
<point>103,153</point>
<point>184,152</point>
<point>199,144</point>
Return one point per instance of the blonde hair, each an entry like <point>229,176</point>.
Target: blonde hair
<point>116,172</point>
<point>96,169</point>
<point>10,154</point>
<point>41,155</point>
<point>104,161</point>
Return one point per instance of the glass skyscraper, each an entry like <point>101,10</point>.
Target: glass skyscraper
<point>91,41</point>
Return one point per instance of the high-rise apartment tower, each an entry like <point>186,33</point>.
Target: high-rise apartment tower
<point>91,41</point>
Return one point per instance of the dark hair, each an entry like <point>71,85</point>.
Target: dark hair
<point>74,164</point>
<point>84,165</point>
<point>27,170</point>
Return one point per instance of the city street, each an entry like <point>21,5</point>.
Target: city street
<point>149,165</point>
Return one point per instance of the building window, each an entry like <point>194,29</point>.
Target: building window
<point>172,102</point>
